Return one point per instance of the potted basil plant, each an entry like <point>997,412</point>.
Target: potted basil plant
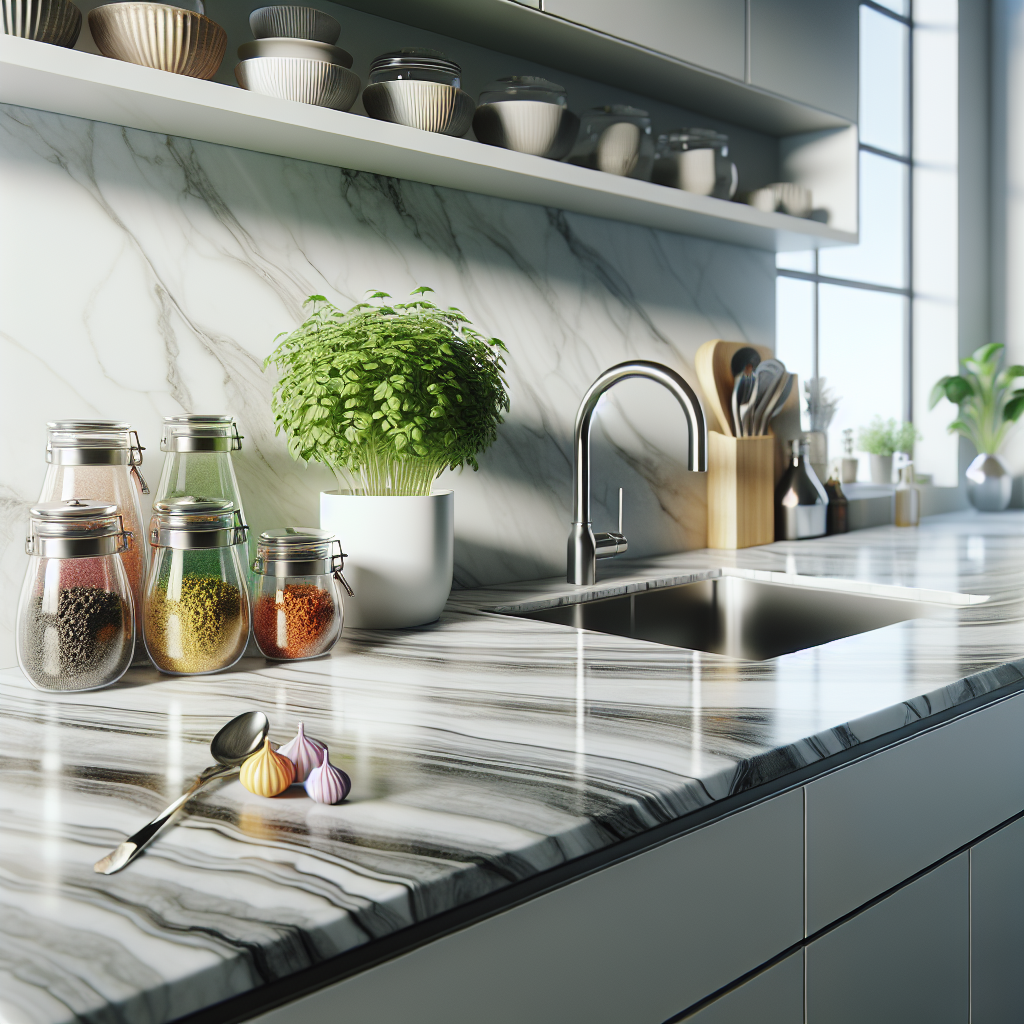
<point>989,402</point>
<point>387,396</point>
<point>881,440</point>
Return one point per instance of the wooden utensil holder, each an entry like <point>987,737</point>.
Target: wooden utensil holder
<point>741,491</point>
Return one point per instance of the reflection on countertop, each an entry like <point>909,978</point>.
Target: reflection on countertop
<point>483,750</point>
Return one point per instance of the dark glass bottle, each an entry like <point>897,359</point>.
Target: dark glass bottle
<point>838,506</point>
<point>801,504</point>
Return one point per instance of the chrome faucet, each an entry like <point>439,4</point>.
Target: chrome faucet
<point>585,546</point>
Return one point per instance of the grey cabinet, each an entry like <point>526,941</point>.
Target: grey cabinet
<point>905,960</point>
<point>638,941</point>
<point>997,927</point>
<point>775,996</point>
<point>807,50</point>
<point>879,821</point>
<point>709,33</point>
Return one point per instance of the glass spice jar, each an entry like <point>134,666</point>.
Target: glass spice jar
<point>297,610</point>
<point>196,609</point>
<point>76,618</point>
<point>96,460</point>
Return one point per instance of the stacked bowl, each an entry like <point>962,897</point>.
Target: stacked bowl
<point>294,57</point>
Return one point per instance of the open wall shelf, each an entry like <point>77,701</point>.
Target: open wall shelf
<point>84,85</point>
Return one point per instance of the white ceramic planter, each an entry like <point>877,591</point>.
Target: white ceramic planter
<point>881,469</point>
<point>400,555</point>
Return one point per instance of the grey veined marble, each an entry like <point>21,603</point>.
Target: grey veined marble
<point>145,276</point>
<point>483,750</point>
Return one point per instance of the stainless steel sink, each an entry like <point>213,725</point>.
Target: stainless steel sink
<point>739,617</point>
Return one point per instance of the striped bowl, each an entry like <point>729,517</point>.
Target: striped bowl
<point>158,36</point>
<point>429,106</point>
<point>296,22</point>
<point>301,79</point>
<point>47,21</point>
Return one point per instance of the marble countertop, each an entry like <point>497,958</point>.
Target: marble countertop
<point>484,750</point>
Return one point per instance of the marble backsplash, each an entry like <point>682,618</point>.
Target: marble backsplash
<point>145,276</point>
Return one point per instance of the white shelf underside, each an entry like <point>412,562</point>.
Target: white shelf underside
<point>50,78</point>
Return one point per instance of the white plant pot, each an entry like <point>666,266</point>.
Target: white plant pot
<point>881,469</point>
<point>400,555</point>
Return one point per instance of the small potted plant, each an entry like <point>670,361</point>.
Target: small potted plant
<point>881,440</point>
<point>989,402</point>
<point>388,395</point>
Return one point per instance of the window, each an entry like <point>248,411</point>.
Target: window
<point>878,320</point>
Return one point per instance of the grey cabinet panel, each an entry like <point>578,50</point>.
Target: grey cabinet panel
<point>775,997</point>
<point>997,927</point>
<point>877,822</point>
<point>807,50</point>
<point>638,941</point>
<point>903,961</point>
<point>709,33</point>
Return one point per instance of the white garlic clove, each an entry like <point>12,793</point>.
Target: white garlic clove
<point>304,752</point>
<point>327,784</point>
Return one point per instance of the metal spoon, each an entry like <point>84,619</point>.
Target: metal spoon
<point>779,402</point>
<point>238,739</point>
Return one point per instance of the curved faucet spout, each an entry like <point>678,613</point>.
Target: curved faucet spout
<point>584,546</point>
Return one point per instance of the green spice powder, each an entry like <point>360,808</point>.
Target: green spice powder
<point>200,631</point>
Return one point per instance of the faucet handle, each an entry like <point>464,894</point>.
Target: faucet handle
<point>607,545</point>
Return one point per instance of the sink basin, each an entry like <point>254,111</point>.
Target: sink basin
<point>739,617</point>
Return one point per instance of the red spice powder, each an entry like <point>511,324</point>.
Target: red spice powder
<point>294,622</point>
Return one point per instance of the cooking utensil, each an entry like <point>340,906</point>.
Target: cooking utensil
<point>746,423</point>
<point>742,390</point>
<point>744,357</point>
<point>712,364</point>
<point>768,374</point>
<point>240,738</point>
<point>778,403</point>
<point>767,406</point>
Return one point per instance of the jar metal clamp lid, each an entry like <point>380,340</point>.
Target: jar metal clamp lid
<point>192,524</point>
<point>95,443</point>
<point>76,528</point>
<point>200,433</point>
<point>300,551</point>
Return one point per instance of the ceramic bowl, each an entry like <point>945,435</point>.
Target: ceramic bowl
<point>526,126</point>
<point>304,49</point>
<point>47,21</point>
<point>429,106</point>
<point>298,78</point>
<point>294,22</point>
<point>158,36</point>
<point>782,197</point>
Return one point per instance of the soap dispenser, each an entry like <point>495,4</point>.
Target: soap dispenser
<point>801,503</point>
<point>908,498</point>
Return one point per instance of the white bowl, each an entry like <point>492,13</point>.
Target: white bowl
<point>527,126</point>
<point>296,78</point>
<point>286,46</point>
<point>296,22</point>
<point>429,106</point>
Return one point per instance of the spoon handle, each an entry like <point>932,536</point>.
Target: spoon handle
<point>124,854</point>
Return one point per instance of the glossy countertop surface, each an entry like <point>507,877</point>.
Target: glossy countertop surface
<point>484,749</point>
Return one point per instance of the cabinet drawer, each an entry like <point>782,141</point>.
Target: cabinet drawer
<point>775,997</point>
<point>997,927</point>
<point>903,961</point>
<point>877,822</point>
<point>709,33</point>
<point>638,941</point>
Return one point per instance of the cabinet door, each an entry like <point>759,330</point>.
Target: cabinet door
<point>710,33</point>
<point>903,961</point>
<point>774,997</point>
<point>997,927</point>
<point>883,819</point>
<point>638,941</point>
<point>807,50</point>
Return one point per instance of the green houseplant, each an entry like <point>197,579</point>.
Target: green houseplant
<point>881,439</point>
<point>388,395</point>
<point>989,402</point>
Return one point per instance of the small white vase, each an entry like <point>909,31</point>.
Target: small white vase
<point>989,483</point>
<point>400,555</point>
<point>881,469</point>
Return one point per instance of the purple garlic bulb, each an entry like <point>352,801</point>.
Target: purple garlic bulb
<point>327,784</point>
<point>304,752</point>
